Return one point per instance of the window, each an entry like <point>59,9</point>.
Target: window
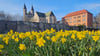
<point>50,20</point>
<point>66,18</point>
<point>70,18</point>
<point>40,19</point>
<point>84,19</point>
<point>97,26</point>
<point>74,17</point>
<point>84,15</point>
<point>46,20</point>
<point>70,21</point>
<point>79,20</point>
<point>84,24</point>
<point>79,24</point>
<point>74,21</point>
<point>78,16</point>
<point>74,24</point>
<point>63,19</point>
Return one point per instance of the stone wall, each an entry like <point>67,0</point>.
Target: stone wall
<point>21,26</point>
<point>3,26</point>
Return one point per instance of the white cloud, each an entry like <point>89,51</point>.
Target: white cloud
<point>94,8</point>
<point>90,6</point>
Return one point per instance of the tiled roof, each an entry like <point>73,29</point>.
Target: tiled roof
<point>76,13</point>
<point>45,14</point>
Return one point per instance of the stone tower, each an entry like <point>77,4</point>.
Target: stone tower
<point>24,11</point>
<point>32,11</point>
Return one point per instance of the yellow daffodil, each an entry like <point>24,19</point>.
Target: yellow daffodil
<point>95,38</point>
<point>40,42</point>
<point>54,39</point>
<point>27,34</point>
<point>31,37</point>
<point>1,46</point>
<point>90,48</point>
<point>11,31</point>
<point>22,35</point>
<point>63,40</point>
<point>73,36</point>
<point>48,37</point>
<point>0,50</point>
<point>1,35</point>
<point>22,47</point>
<point>80,36</point>
<point>13,36</point>
<point>6,39</point>
<point>16,39</point>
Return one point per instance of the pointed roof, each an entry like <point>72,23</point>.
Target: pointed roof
<point>49,13</point>
<point>32,8</point>
<point>24,6</point>
<point>77,12</point>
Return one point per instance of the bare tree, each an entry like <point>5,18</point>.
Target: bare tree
<point>9,17</point>
<point>2,15</point>
<point>96,23</point>
<point>17,17</point>
<point>98,18</point>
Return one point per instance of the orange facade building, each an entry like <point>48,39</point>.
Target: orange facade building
<point>82,17</point>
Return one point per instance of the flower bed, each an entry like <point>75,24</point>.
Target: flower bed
<point>50,43</point>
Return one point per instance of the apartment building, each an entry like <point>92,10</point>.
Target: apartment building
<point>82,17</point>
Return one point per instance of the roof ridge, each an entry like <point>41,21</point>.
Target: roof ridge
<point>49,12</point>
<point>40,12</point>
<point>76,12</point>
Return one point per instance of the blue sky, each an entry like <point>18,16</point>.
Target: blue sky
<point>59,7</point>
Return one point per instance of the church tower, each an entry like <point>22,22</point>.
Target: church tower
<point>32,10</point>
<point>24,11</point>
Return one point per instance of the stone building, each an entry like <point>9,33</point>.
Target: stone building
<point>32,16</point>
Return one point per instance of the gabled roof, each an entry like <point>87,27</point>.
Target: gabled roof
<point>45,14</point>
<point>49,13</point>
<point>76,13</point>
<point>40,14</point>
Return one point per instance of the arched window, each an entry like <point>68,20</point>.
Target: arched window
<point>50,20</point>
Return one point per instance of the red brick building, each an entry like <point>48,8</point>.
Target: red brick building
<point>82,17</point>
